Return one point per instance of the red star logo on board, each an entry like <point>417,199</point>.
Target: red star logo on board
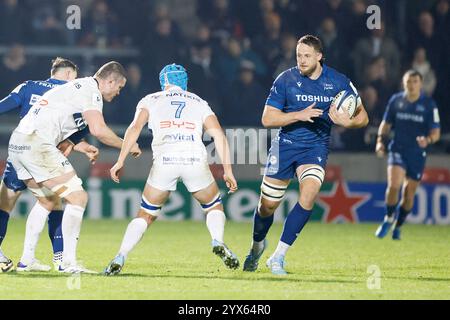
<point>340,204</point>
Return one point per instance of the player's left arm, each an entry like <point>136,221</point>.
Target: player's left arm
<point>66,146</point>
<point>13,100</point>
<point>131,135</point>
<point>8,103</point>
<point>434,133</point>
<point>89,150</point>
<point>433,137</point>
<point>214,129</point>
<point>359,120</point>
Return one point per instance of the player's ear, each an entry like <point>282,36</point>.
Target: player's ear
<point>319,56</point>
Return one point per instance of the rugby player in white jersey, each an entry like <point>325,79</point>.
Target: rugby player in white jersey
<point>34,154</point>
<point>177,118</point>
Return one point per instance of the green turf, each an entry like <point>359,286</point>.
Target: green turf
<point>174,261</point>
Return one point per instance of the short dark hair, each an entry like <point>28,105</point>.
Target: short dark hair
<point>60,63</point>
<point>111,68</point>
<point>413,73</point>
<point>314,42</point>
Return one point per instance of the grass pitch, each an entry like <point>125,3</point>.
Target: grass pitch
<point>174,261</point>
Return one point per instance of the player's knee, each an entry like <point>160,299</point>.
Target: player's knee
<point>46,203</point>
<point>146,216</point>
<point>79,198</point>
<point>267,208</point>
<point>216,203</point>
<point>149,209</point>
<point>272,193</point>
<point>7,203</point>
<point>6,207</point>
<point>72,190</point>
<point>393,189</point>
<point>315,172</point>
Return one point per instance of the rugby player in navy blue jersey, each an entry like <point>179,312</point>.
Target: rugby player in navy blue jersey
<point>414,119</point>
<point>22,98</point>
<point>300,103</point>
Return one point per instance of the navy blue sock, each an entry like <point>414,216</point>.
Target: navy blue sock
<point>55,230</point>
<point>390,210</point>
<point>261,226</point>
<point>4,217</point>
<point>294,223</point>
<point>401,217</point>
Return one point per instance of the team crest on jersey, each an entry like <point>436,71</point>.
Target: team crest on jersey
<point>34,98</point>
<point>401,105</point>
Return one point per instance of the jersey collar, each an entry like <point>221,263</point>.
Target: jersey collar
<point>55,81</point>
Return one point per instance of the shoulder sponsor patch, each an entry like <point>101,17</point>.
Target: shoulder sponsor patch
<point>436,115</point>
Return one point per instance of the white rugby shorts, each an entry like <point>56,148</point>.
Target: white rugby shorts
<point>33,157</point>
<point>192,170</point>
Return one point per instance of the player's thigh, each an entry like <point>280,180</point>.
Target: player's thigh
<point>272,193</point>
<point>207,194</point>
<point>45,197</point>
<point>395,176</point>
<point>8,197</point>
<point>67,186</point>
<point>209,197</point>
<point>154,195</point>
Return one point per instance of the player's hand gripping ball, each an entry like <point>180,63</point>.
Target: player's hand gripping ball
<point>346,101</point>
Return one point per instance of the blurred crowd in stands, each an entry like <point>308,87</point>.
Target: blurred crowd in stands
<point>234,49</point>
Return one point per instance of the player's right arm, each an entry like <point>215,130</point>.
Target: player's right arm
<point>274,117</point>
<point>382,137</point>
<point>99,129</point>
<point>131,135</point>
<point>214,129</point>
<point>385,127</point>
<point>13,100</point>
<point>89,150</point>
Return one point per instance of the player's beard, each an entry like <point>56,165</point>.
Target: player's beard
<point>308,72</point>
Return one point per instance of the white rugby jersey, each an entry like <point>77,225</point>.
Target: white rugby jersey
<point>176,119</point>
<point>59,112</point>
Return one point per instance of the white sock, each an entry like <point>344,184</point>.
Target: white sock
<point>2,256</point>
<point>135,230</point>
<point>35,224</point>
<point>257,246</point>
<point>282,249</point>
<point>71,226</point>
<point>215,221</point>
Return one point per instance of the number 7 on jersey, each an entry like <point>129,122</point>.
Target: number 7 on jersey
<point>181,105</point>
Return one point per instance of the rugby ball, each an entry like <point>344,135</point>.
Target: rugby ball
<point>346,101</point>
